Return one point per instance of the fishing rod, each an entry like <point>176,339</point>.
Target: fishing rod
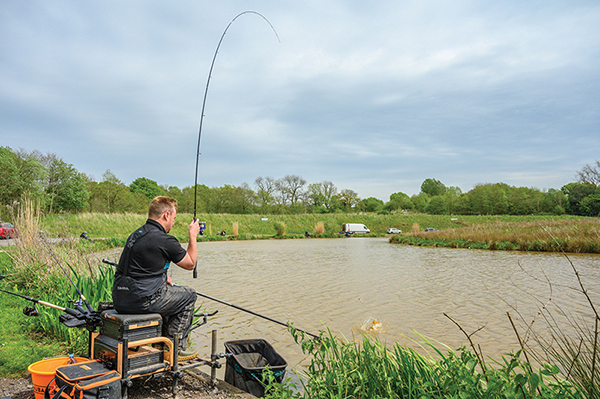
<point>252,313</point>
<point>81,296</point>
<point>212,298</point>
<point>78,317</point>
<point>195,272</point>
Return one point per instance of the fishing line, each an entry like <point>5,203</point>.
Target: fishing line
<point>195,273</point>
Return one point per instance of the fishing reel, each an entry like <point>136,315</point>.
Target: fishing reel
<point>204,320</point>
<point>31,311</point>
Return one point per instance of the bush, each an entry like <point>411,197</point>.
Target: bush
<point>279,228</point>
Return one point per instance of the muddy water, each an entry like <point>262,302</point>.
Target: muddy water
<point>343,284</point>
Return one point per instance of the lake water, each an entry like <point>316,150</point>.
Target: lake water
<point>347,284</point>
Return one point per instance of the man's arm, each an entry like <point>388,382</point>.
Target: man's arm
<point>189,260</point>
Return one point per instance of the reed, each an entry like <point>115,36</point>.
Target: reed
<point>416,228</point>
<point>368,369</point>
<point>569,235</point>
<point>235,226</point>
<point>320,228</point>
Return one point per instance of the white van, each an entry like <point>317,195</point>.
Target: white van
<point>352,228</point>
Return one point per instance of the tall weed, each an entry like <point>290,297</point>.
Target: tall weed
<point>368,369</point>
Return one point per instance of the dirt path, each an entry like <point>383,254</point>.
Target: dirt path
<point>193,385</point>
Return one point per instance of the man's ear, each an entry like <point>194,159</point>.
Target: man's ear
<point>164,215</point>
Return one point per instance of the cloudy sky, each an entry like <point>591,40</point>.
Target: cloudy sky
<point>373,96</point>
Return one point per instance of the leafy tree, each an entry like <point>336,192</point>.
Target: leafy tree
<point>433,187</point>
<point>590,205</point>
<point>524,200</point>
<point>399,200</point>
<point>452,200</point>
<point>319,195</point>
<point>554,201</point>
<point>575,193</point>
<point>202,196</point>
<point>148,187</point>
<point>420,201</point>
<point>372,204</point>
<point>437,206</point>
<point>9,176</point>
<point>66,188</point>
<point>489,199</point>
<point>19,174</point>
<point>231,199</point>
<point>112,196</point>
<point>347,199</point>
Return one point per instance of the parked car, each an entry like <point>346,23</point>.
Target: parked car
<point>431,229</point>
<point>393,230</point>
<point>7,230</point>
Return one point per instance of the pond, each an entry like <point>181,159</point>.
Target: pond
<point>399,293</point>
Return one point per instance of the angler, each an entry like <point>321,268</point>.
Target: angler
<point>141,283</point>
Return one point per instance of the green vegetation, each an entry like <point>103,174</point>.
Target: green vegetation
<point>342,369</point>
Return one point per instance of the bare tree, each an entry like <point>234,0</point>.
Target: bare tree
<point>589,174</point>
<point>265,190</point>
<point>291,188</point>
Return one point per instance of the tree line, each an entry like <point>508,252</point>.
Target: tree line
<point>60,187</point>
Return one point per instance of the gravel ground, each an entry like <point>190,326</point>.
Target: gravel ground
<point>159,387</point>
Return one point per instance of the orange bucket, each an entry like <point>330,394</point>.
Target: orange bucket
<point>42,372</point>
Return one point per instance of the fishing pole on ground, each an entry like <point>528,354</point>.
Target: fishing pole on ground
<point>81,296</point>
<point>195,272</point>
<point>78,317</point>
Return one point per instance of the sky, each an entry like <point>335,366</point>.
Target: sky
<point>375,97</point>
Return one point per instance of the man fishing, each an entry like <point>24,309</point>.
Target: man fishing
<point>141,282</point>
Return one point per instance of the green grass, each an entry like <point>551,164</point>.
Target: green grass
<point>20,346</point>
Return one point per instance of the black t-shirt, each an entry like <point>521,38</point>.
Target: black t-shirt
<point>150,251</point>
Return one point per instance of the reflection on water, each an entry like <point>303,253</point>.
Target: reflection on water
<point>394,291</point>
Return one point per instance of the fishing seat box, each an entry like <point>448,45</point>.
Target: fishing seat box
<point>132,327</point>
<point>106,351</point>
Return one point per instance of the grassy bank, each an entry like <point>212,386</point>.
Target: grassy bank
<point>456,231</point>
<point>581,235</point>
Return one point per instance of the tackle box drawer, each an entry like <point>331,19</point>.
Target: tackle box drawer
<point>132,327</point>
<point>106,351</point>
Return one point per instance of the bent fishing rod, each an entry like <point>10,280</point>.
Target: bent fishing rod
<point>252,313</point>
<point>212,298</point>
<point>195,272</point>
